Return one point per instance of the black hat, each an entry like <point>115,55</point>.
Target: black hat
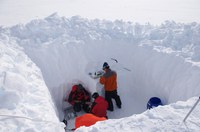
<point>105,65</point>
<point>95,95</point>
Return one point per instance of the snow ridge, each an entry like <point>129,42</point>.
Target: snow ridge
<point>183,39</point>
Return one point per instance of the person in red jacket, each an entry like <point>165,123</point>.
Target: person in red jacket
<point>99,106</point>
<point>79,98</point>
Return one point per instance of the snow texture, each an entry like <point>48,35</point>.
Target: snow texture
<point>41,60</point>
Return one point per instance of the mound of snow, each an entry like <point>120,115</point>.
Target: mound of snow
<point>26,104</point>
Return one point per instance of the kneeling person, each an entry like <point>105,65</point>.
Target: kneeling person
<point>99,106</point>
<point>79,98</point>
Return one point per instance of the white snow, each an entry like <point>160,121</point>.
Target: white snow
<point>26,104</point>
<point>42,59</point>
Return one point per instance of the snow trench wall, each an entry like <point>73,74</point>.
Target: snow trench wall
<point>26,103</point>
<point>164,75</point>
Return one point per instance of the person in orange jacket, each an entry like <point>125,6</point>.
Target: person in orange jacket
<point>99,106</point>
<point>109,80</point>
<point>87,120</point>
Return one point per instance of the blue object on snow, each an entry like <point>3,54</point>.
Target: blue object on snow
<point>153,102</point>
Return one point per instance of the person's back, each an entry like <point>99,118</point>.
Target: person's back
<point>100,109</point>
<point>99,106</point>
<point>109,80</point>
<point>87,120</point>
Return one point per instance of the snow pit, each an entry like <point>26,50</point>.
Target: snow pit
<point>65,50</point>
<point>152,73</point>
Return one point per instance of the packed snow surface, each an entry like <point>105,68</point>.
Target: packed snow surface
<point>41,60</point>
